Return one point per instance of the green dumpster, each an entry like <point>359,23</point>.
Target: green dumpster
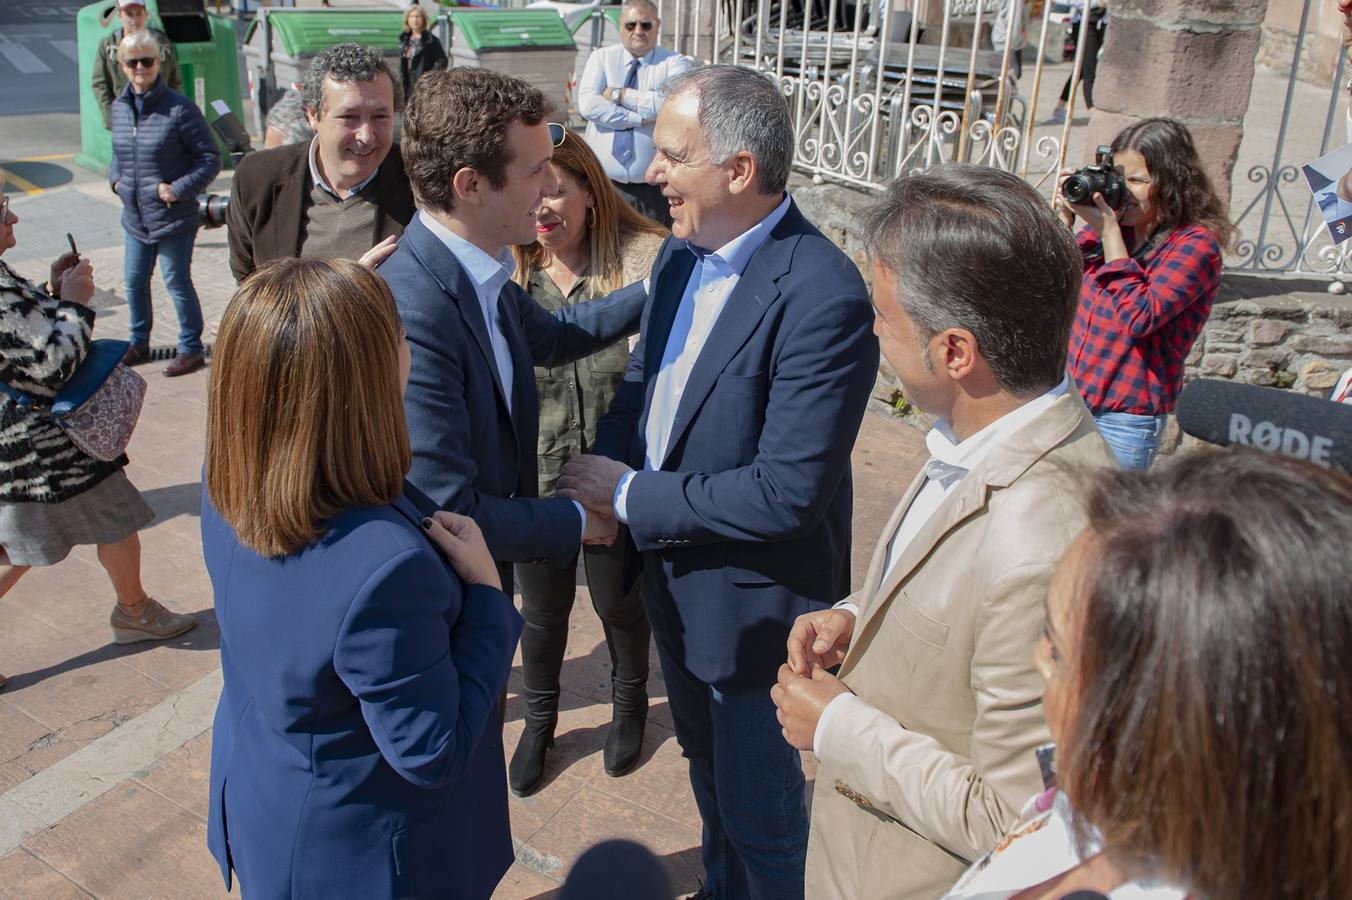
<point>531,44</point>
<point>208,65</point>
<point>279,46</point>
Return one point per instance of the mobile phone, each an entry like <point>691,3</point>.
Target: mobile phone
<point>71,241</point>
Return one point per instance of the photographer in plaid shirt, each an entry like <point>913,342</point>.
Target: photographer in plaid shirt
<point>1151,273</point>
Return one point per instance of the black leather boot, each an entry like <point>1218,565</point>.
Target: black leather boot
<point>629,697</point>
<point>541,659</point>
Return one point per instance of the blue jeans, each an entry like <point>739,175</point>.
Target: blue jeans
<point>1134,439</point>
<point>748,784</point>
<point>139,264</point>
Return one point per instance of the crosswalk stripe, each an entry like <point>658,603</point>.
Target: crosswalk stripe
<point>23,59</point>
<point>68,49</point>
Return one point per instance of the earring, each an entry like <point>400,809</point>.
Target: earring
<point>591,217</point>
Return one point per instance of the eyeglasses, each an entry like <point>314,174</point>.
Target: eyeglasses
<point>144,62</point>
<point>4,207</point>
<point>646,26</point>
<point>557,133</point>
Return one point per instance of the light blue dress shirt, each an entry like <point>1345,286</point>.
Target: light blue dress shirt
<point>711,283</point>
<point>608,67</point>
<point>490,275</point>
<point>319,179</point>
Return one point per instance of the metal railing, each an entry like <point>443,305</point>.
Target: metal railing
<point>1281,228</point>
<point>870,100</point>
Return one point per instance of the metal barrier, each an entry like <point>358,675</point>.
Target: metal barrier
<point>870,102</point>
<point>1275,236</point>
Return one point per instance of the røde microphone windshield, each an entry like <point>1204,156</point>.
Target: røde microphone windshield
<point>1221,412</point>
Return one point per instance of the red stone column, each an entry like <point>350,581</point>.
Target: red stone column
<point>1192,60</point>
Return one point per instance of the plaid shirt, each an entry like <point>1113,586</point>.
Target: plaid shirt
<point>1136,324</point>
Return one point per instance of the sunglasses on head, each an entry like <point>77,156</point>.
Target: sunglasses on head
<point>142,62</point>
<point>557,133</point>
<point>645,25</point>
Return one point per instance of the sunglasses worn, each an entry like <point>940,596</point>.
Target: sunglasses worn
<point>556,134</point>
<point>143,62</point>
<point>646,26</point>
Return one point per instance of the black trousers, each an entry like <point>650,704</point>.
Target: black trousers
<point>646,198</point>
<point>1093,38</point>
<point>547,596</point>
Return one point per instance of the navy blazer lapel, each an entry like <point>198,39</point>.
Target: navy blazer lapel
<point>666,301</point>
<point>667,294</point>
<point>756,292</point>
<point>525,408</point>
<point>442,265</point>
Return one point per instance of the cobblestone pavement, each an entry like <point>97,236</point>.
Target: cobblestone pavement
<point>104,750</point>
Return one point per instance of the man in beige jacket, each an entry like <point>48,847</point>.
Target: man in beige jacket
<point>925,738</point>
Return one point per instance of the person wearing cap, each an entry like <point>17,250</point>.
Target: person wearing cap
<point>109,79</point>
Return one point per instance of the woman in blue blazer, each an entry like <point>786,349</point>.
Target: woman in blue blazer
<point>357,748</point>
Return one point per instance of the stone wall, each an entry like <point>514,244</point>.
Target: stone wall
<point>1276,332</point>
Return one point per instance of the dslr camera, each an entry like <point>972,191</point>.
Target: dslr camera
<point>1100,178</point>
<point>212,208</point>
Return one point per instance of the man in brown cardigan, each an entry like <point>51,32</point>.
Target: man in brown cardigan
<point>343,194</point>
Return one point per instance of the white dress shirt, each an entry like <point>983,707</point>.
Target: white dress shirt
<point>711,283</point>
<point>318,179</point>
<point>490,275</point>
<point>950,459</point>
<point>608,67</point>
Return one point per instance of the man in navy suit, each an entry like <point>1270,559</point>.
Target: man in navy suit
<point>477,149</point>
<point>729,457</point>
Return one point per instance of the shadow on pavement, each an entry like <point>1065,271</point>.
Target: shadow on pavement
<point>206,636</point>
<point>683,868</point>
<point>42,175</point>
<point>175,500</point>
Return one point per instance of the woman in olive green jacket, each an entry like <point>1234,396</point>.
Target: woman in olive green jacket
<point>589,242</point>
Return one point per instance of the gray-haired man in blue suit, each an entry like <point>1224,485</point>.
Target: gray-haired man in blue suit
<point>729,457</point>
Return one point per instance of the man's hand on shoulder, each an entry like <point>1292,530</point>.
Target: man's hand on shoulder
<point>800,702</point>
<point>819,639</point>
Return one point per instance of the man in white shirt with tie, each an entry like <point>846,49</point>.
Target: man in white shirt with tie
<point>925,737</point>
<point>726,451</point>
<point>619,95</point>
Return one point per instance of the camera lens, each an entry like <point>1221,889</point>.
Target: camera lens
<point>1078,189</point>
<point>211,210</point>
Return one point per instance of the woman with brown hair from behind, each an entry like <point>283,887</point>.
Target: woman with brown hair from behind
<point>1197,655</point>
<point>589,243</point>
<point>357,749</point>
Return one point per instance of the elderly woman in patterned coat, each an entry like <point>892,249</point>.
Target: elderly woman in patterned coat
<point>52,495</point>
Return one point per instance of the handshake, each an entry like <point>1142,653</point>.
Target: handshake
<point>591,481</point>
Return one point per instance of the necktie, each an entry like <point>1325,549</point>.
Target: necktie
<point>1327,201</point>
<point>623,146</point>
